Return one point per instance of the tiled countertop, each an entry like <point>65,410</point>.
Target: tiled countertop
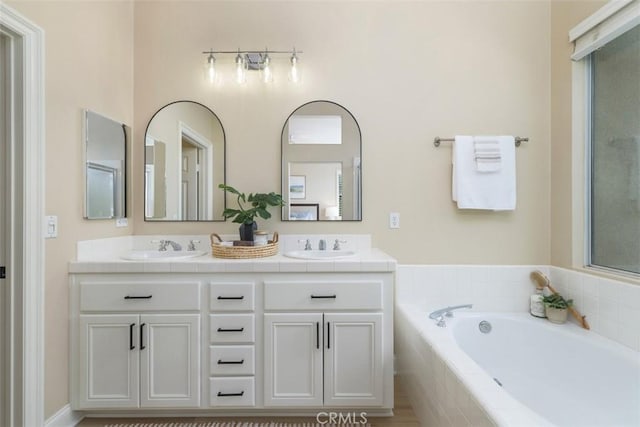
<point>371,260</point>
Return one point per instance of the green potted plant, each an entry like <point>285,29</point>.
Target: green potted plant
<point>556,308</point>
<point>246,216</point>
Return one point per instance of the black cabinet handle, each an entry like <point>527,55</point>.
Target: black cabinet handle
<point>328,336</point>
<point>230,329</point>
<point>138,297</point>
<point>318,335</point>
<point>142,347</point>
<point>230,362</point>
<point>131,345</point>
<point>323,296</point>
<point>225,298</point>
<point>221,394</point>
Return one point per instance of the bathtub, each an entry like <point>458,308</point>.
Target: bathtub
<point>524,372</point>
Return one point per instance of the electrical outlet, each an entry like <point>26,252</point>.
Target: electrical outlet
<point>394,220</point>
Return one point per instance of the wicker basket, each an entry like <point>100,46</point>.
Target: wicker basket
<point>219,250</point>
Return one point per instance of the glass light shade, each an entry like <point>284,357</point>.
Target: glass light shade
<point>295,75</point>
<point>267,70</point>
<point>241,73</point>
<point>211,69</point>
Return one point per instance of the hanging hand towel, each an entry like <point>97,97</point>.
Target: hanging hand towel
<point>473,189</point>
<point>487,154</point>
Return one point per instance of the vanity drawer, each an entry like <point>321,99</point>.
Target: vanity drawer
<point>231,328</point>
<point>311,295</point>
<point>238,391</point>
<point>231,296</point>
<point>139,296</point>
<point>232,360</point>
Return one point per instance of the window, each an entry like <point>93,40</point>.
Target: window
<point>614,153</point>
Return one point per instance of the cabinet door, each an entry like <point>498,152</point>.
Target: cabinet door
<point>109,371</point>
<point>353,359</point>
<point>170,360</point>
<point>293,359</point>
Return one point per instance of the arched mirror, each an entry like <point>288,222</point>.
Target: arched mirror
<point>321,164</point>
<point>184,159</point>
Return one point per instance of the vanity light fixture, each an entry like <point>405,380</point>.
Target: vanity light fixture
<point>253,60</point>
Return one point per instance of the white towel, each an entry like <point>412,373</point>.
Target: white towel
<point>487,154</point>
<point>473,189</point>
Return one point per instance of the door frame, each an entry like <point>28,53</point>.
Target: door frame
<point>26,254</point>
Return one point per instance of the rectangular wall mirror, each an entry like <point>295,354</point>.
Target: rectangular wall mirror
<point>105,162</point>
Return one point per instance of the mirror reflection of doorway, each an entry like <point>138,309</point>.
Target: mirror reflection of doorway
<point>191,185</point>
<point>196,164</point>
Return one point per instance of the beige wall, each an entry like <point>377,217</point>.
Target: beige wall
<point>564,16</point>
<point>88,65</point>
<point>408,71</point>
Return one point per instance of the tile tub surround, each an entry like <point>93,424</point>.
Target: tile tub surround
<point>103,256</point>
<point>612,307</point>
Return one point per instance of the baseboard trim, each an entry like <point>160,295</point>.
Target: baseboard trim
<point>65,417</point>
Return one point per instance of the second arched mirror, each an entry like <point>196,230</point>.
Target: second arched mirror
<point>321,164</point>
<point>184,163</point>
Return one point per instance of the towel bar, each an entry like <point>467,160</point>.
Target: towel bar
<point>437,140</point>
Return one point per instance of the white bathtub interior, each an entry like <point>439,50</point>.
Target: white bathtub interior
<point>568,375</point>
<point>612,308</point>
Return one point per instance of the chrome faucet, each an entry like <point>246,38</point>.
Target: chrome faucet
<point>322,245</point>
<point>174,245</point>
<point>336,244</point>
<point>192,245</point>
<point>440,314</point>
<point>307,244</point>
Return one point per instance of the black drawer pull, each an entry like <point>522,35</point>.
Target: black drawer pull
<point>131,345</point>
<point>230,362</point>
<point>138,297</point>
<point>323,296</point>
<point>224,298</point>
<point>230,329</point>
<point>221,394</point>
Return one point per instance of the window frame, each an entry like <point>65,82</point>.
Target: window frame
<point>611,21</point>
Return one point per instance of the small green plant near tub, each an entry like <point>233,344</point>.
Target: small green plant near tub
<point>556,307</point>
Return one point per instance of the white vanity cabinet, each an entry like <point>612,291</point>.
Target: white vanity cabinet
<point>324,343</point>
<point>230,342</point>
<point>133,349</point>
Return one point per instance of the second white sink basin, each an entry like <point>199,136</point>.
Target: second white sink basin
<point>161,255</point>
<point>319,254</point>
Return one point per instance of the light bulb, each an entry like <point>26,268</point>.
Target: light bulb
<point>241,75</point>
<point>211,68</point>
<point>267,69</point>
<point>294,73</point>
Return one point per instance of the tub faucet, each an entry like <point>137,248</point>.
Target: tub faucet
<point>448,312</point>
<point>322,245</point>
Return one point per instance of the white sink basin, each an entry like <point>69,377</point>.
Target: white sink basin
<point>319,254</point>
<point>161,255</point>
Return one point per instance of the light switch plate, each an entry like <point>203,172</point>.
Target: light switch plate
<point>50,227</point>
<point>122,222</point>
